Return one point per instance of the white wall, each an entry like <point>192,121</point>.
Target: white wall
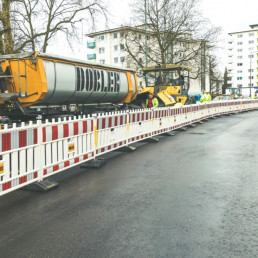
<point>234,55</point>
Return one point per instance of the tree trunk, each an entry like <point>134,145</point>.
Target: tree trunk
<point>7,31</point>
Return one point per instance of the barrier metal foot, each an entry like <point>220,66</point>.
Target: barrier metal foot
<point>206,119</point>
<point>94,163</point>
<point>192,125</point>
<point>129,148</point>
<point>42,186</point>
<point>182,129</point>
<point>213,117</point>
<point>169,134</point>
<point>152,139</point>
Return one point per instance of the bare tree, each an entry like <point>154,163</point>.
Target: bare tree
<point>25,33</point>
<point>176,32</point>
<point>32,24</point>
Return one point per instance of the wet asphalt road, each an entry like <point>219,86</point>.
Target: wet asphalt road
<point>191,195</point>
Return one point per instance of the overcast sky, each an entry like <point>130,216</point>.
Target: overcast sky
<point>231,15</point>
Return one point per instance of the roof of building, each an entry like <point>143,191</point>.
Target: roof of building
<point>121,28</point>
<point>254,25</point>
<point>237,32</point>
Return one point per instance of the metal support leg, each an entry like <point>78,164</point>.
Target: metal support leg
<point>42,186</point>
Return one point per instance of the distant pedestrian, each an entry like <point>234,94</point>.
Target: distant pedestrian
<point>204,97</point>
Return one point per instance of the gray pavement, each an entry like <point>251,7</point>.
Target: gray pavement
<point>191,195</point>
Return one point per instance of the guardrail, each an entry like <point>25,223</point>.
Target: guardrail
<point>32,152</point>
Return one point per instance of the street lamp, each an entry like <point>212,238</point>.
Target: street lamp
<point>251,56</point>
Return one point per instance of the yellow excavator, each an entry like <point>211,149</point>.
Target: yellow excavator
<point>170,83</point>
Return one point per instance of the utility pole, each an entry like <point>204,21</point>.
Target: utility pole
<point>146,42</point>
<point>250,93</point>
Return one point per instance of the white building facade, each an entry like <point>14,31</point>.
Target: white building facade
<point>243,61</point>
<point>108,47</point>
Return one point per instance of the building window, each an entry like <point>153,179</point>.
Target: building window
<point>121,34</point>
<point>122,59</point>
<point>250,78</point>
<point>115,47</point>
<point>239,78</point>
<point>116,60</point>
<point>102,61</point>
<point>140,48</point>
<point>250,56</point>
<point>239,71</point>
<point>239,57</point>
<point>240,35</point>
<point>140,60</point>
<point>140,36</point>
<point>250,70</point>
<point>250,41</point>
<point>101,50</point>
<point>251,84</point>
<point>240,50</point>
<point>251,34</point>
<point>250,49</point>
<point>239,43</point>
<point>115,35</point>
<point>141,84</point>
<point>239,64</point>
<point>122,46</point>
<point>239,85</point>
<point>101,37</point>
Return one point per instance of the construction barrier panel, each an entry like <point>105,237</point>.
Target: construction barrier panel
<point>31,152</point>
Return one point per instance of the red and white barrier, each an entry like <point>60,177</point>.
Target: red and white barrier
<point>66,143</point>
<point>19,156</point>
<point>34,151</point>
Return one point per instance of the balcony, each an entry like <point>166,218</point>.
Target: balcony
<point>91,56</point>
<point>91,44</point>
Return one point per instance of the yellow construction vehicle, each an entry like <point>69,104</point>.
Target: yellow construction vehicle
<point>170,83</point>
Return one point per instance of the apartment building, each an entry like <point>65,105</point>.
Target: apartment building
<point>109,47</point>
<point>243,61</point>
